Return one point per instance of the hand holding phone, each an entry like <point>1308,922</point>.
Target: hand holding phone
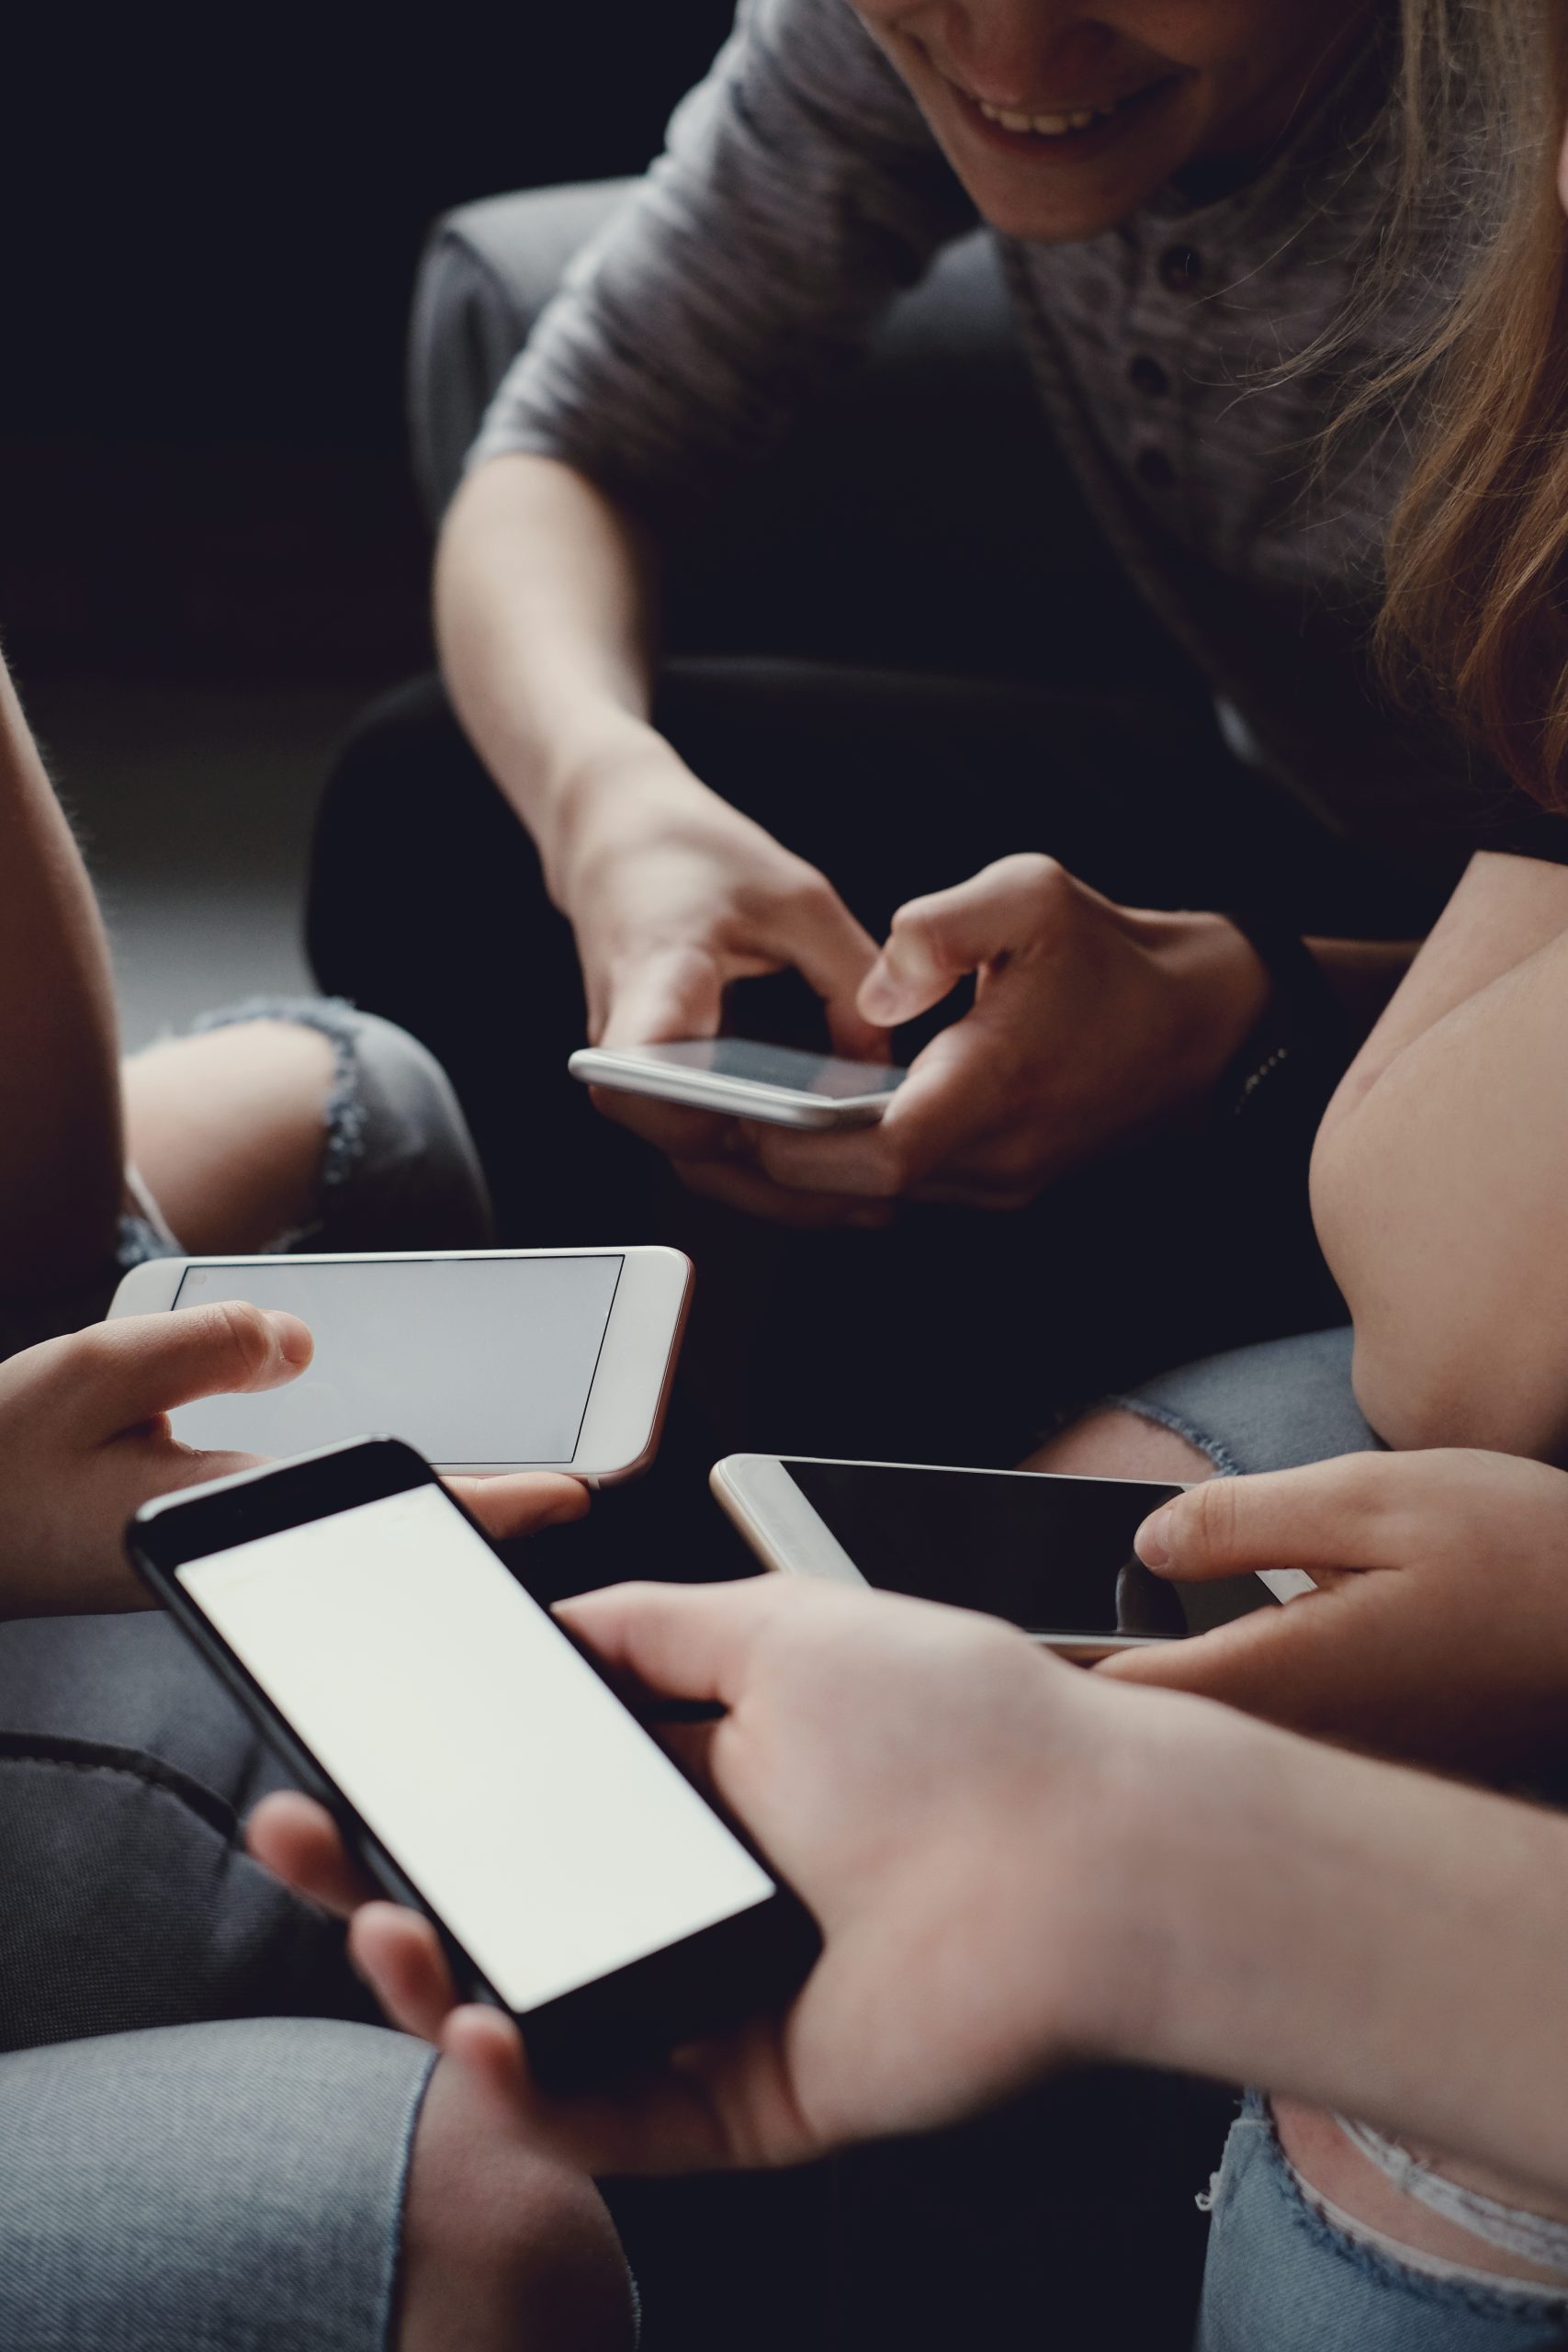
<point>934,1789</point>
<point>1439,1631</point>
<point>483,1767</point>
<point>1090,1022</point>
<point>1053,1556</point>
<point>84,1437</point>
<point>487,1359</point>
<point>741,1078</point>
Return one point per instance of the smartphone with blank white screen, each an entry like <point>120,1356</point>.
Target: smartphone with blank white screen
<point>485,1360</point>
<point>778,1084</point>
<point>1052,1555</point>
<point>478,1762</point>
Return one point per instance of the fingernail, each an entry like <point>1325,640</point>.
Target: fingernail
<point>293,1337</point>
<point>1152,1542</point>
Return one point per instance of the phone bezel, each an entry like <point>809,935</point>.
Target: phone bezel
<point>594,2032</point>
<point>635,1070</point>
<point>629,1396</point>
<point>788,1537</point>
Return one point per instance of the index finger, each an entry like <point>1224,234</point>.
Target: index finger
<point>1352,1512</point>
<point>682,1641</point>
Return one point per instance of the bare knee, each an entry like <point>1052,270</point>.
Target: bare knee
<point>1110,1442</point>
<point>226,1126</point>
<point>503,2246</point>
<point>1333,2168</point>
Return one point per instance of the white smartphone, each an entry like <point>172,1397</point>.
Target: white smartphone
<point>1052,1555</point>
<point>475,1758</point>
<point>776,1084</point>
<point>486,1360</point>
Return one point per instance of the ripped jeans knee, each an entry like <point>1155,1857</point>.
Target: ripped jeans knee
<point>398,1166</point>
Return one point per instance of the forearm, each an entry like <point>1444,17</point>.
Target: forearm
<point>61,1171</point>
<point>543,609</point>
<point>1347,1933</point>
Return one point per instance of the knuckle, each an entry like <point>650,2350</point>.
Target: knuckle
<point>1208,1520</point>
<point>923,926</point>
<point>1045,878</point>
<point>246,1331</point>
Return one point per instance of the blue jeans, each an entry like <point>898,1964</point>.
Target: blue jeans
<point>1281,2278</point>
<point>1267,1407</point>
<point>204,2137</point>
<point>398,1170</point>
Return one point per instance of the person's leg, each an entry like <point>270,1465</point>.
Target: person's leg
<point>280,2183</point>
<point>1271,1407</point>
<point>502,2246</point>
<point>1293,2268</point>
<point>130,1900</point>
<point>302,1120</point>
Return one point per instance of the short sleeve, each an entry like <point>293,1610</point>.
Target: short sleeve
<point>799,192</point>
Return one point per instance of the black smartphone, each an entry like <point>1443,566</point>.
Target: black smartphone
<point>479,1763</point>
<point>1052,1555</point>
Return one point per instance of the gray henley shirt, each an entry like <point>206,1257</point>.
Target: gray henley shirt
<point>801,190</point>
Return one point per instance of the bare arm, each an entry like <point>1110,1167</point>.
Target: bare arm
<point>543,619</point>
<point>61,1172</point>
<point>1440,1177</point>
<point>1364,1937</point>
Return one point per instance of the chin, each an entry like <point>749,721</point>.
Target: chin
<point>1015,204</point>
<point>1065,218</point>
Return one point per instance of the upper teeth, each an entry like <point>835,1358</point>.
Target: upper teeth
<point>1049,126</point>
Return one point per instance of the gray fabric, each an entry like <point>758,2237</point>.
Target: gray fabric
<point>233,2188</point>
<point>487,271</point>
<point>128,1899</point>
<point>1273,1407</point>
<point>857,570</point>
<point>800,190</point>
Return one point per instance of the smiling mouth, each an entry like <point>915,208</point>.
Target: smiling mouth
<point>1060,123</point>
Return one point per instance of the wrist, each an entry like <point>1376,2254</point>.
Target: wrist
<point>1171,1862</point>
<point>1225,990</point>
<point>625,789</point>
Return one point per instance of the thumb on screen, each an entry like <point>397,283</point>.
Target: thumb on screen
<point>126,1372</point>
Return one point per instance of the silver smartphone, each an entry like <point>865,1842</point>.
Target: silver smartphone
<point>479,1765</point>
<point>485,1360</point>
<point>775,1083</point>
<point>1052,1555</point>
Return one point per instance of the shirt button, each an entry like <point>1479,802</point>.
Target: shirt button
<point>1155,469</point>
<point>1180,270</point>
<point>1147,375</point>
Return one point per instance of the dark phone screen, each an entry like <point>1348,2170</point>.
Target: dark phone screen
<point>1054,1555</point>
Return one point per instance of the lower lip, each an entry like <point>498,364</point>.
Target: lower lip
<point>1068,146</point>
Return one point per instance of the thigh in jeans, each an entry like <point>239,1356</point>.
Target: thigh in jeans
<point>238,2186</point>
<point>1281,2276</point>
<point>129,1902</point>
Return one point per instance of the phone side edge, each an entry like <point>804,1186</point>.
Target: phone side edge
<point>672,1290</point>
<point>150,1288</point>
<point>774,1516</point>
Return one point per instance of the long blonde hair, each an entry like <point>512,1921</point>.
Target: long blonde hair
<point>1474,613</point>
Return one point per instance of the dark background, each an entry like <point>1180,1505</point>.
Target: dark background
<point>212,226</point>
